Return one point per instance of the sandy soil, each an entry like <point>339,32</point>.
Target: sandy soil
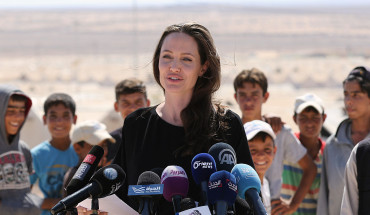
<point>86,52</point>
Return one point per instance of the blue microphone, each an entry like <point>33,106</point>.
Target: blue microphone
<point>222,191</point>
<point>249,185</point>
<point>202,167</point>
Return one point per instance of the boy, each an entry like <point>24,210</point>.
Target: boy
<point>84,136</point>
<point>130,96</point>
<point>15,156</point>
<point>52,159</point>
<point>251,93</point>
<point>356,127</point>
<point>309,115</point>
<point>261,143</point>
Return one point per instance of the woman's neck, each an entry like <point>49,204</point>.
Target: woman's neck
<point>170,110</point>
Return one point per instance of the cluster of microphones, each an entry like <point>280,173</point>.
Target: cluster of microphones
<point>225,186</point>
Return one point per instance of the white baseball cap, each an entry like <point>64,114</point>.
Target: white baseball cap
<point>309,99</point>
<point>254,127</point>
<point>92,132</point>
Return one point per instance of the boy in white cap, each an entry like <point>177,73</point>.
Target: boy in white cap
<point>84,136</point>
<point>309,116</point>
<point>261,141</point>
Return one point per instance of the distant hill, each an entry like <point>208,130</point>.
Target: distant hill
<point>235,29</point>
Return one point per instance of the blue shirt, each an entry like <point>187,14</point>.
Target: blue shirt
<point>50,165</point>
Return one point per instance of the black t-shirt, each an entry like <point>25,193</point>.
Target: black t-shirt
<point>149,142</point>
<point>113,147</point>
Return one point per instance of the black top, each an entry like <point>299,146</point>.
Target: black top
<point>363,176</point>
<point>149,142</point>
<point>113,147</point>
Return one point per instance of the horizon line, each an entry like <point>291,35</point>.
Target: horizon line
<point>276,5</point>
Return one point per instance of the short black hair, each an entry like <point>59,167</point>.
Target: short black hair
<point>22,98</point>
<point>262,136</point>
<point>310,109</point>
<point>360,74</point>
<point>130,86</point>
<point>253,76</point>
<point>60,98</point>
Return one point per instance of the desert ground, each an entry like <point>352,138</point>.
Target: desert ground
<point>86,52</point>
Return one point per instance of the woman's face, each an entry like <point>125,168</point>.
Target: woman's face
<point>179,64</point>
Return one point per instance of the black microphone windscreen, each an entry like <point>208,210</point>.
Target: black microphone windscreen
<point>242,206</point>
<point>148,177</point>
<point>186,204</point>
<point>224,155</point>
<point>110,178</point>
<point>85,170</point>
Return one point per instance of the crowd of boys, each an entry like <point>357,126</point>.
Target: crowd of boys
<point>299,172</point>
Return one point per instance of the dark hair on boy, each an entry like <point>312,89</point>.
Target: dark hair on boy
<point>309,109</point>
<point>21,98</point>
<point>130,86</point>
<point>254,76</point>
<point>60,98</point>
<point>262,136</point>
<point>360,74</point>
<point>18,98</point>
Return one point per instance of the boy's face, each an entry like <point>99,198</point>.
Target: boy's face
<point>263,153</point>
<point>357,103</point>
<point>250,99</point>
<point>59,120</point>
<point>128,103</point>
<point>14,116</point>
<point>309,123</point>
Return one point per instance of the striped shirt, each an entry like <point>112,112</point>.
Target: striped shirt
<point>292,175</point>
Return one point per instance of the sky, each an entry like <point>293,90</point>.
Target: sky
<point>19,4</point>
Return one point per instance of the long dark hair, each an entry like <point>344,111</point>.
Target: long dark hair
<point>200,118</point>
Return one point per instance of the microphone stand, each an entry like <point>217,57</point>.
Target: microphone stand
<point>94,206</point>
<point>72,211</point>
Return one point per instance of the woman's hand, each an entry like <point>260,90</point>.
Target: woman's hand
<point>84,211</point>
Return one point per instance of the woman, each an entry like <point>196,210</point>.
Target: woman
<point>187,67</point>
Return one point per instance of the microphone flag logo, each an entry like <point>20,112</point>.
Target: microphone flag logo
<point>89,159</point>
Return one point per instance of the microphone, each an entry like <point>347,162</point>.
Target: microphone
<point>148,190</point>
<point>104,182</point>
<point>241,205</point>
<point>202,167</point>
<point>222,191</point>
<point>176,185</point>
<point>187,203</point>
<point>188,207</point>
<point>224,155</point>
<point>85,170</point>
<point>249,185</point>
